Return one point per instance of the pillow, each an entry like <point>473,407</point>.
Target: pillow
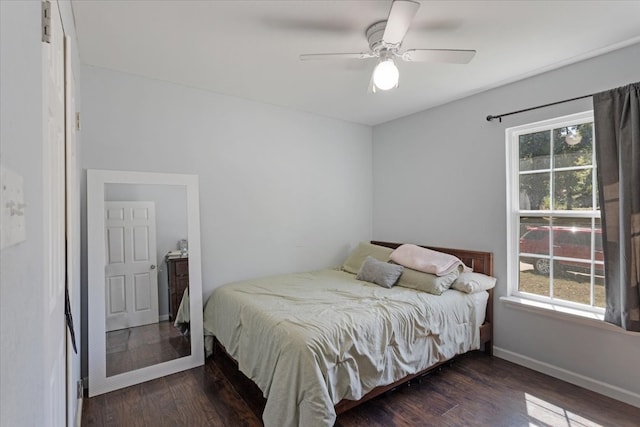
<point>364,249</point>
<point>425,260</point>
<point>378,272</point>
<point>473,282</point>
<point>427,282</point>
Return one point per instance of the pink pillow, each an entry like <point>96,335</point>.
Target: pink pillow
<point>426,260</point>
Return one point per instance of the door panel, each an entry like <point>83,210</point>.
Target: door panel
<point>141,244</point>
<point>115,242</point>
<point>115,213</point>
<point>116,299</point>
<point>142,292</point>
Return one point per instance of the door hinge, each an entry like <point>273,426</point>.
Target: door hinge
<point>46,21</point>
<point>77,120</point>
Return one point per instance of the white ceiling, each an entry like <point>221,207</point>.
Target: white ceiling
<point>250,49</point>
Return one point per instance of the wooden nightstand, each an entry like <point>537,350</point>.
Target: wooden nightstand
<point>178,270</point>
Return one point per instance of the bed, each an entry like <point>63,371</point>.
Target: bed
<point>319,343</point>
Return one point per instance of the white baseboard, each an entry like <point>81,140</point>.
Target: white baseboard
<point>163,317</point>
<point>608,390</point>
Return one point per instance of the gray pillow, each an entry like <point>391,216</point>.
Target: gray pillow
<point>378,272</point>
<point>427,282</point>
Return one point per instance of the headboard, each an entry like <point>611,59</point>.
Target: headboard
<point>480,262</point>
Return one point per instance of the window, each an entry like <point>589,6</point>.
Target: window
<point>554,237</point>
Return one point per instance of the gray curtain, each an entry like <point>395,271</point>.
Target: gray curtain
<point>617,129</point>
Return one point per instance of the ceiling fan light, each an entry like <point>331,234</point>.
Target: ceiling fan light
<point>386,75</point>
<point>573,139</point>
<point>573,136</point>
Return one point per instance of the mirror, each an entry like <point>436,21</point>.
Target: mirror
<point>146,275</point>
<point>144,269</point>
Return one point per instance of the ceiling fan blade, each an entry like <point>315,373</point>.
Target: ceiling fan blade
<point>452,56</point>
<point>400,17</point>
<point>322,56</point>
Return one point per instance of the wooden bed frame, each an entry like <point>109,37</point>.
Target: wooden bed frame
<point>480,262</point>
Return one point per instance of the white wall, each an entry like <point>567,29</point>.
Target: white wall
<point>280,190</point>
<point>22,379</point>
<point>439,179</point>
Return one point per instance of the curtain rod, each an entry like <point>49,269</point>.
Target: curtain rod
<point>500,116</point>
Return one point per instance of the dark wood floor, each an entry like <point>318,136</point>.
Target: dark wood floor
<point>140,346</point>
<point>476,390</point>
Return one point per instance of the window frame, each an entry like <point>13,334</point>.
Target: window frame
<point>514,213</point>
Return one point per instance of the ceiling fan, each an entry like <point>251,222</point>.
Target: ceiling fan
<point>385,39</point>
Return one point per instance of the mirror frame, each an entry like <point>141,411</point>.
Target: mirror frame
<point>96,179</point>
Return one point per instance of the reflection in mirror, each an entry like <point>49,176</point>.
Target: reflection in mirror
<point>146,275</point>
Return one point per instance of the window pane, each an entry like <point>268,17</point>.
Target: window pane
<point>534,191</point>
<point>534,237</point>
<point>573,190</point>
<point>573,145</point>
<point>534,151</point>
<point>532,282</point>
<point>572,241</point>
<point>572,282</point>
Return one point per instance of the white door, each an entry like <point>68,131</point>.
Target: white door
<point>131,276</point>
<point>73,239</point>
<point>53,172</point>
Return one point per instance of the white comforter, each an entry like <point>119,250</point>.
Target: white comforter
<point>309,340</point>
